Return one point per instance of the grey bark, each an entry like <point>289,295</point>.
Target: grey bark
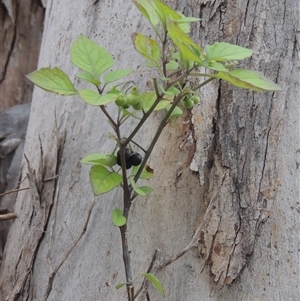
<point>232,165</point>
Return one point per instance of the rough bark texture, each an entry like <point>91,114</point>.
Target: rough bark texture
<point>232,164</point>
<point>20,39</point>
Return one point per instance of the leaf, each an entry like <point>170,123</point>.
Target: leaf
<point>177,112</point>
<point>89,78</point>
<point>120,285</point>
<point>101,159</point>
<point>213,65</point>
<point>184,22</point>
<point>119,220</point>
<point>90,57</point>
<point>156,283</point>
<point>144,190</point>
<point>185,44</point>
<point>172,65</point>
<point>103,180</point>
<point>116,75</point>
<point>52,80</point>
<point>146,174</point>
<point>165,12</point>
<point>148,99</point>
<point>224,51</point>
<point>248,79</point>
<point>171,91</point>
<point>147,47</point>
<point>95,99</point>
<point>148,11</point>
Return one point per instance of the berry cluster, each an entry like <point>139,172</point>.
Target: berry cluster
<point>131,99</point>
<point>134,159</point>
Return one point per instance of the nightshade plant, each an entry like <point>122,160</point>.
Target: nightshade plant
<point>177,59</point>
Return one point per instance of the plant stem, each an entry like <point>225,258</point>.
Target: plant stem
<point>203,84</point>
<point>157,135</point>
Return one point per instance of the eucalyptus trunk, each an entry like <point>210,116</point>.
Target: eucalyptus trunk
<point>230,165</point>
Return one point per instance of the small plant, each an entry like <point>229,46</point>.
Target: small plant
<point>177,59</point>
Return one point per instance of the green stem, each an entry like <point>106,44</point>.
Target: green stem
<point>203,84</point>
<point>157,135</point>
<point>142,121</point>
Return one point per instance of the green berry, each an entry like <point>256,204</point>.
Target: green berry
<point>121,100</point>
<point>110,160</point>
<point>188,103</point>
<point>133,99</point>
<point>195,99</point>
<point>139,106</point>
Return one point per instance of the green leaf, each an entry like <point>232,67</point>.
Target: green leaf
<point>146,174</point>
<point>224,51</point>
<point>100,159</point>
<point>148,11</point>
<point>116,75</point>
<point>89,78</point>
<point>52,80</point>
<point>248,79</point>
<point>148,99</point>
<point>189,51</point>
<point>90,57</point>
<point>95,99</point>
<point>156,283</point>
<point>120,285</point>
<point>103,180</point>
<point>144,190</point>
<point>184,22</point>
<point>177,112</point>
<point>165,12</point>
<point>147,47</point>
<point>171,91</point>
<point>213,65</point>
<point>172,65</point>
<point>119,220</point>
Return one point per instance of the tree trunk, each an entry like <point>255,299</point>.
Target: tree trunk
<point>20,37</point>
<point>231,166</point>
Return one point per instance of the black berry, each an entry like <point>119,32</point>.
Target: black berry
<point>135,159</point>
<point>127,156</point>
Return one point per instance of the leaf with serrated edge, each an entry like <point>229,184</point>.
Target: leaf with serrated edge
<point>52,80</point>
<point>117,217</point>
<point>103,180</point>
<point>90,57</point>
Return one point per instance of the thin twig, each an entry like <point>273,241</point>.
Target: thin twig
<point>26,188</point>
<point>7,216</point>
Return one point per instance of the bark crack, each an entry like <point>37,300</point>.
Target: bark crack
<point>12,46</point>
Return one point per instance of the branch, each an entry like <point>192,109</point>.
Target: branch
<point>7,216</point>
